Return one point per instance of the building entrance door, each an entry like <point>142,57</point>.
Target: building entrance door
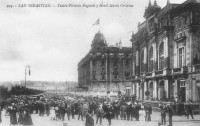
<point>182,94</point>
<point>182,91</point>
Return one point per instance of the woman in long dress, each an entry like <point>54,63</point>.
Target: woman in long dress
<point>27,120</point>
<point>142,116</point>
<point>52,113</point>
<point>13,114</point>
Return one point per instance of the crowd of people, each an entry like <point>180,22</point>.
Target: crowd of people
<point>20,108</point>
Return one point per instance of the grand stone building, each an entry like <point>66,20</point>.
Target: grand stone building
<point>106,68</point>
<point>166,52</point>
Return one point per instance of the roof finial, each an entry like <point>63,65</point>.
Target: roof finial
<point>120,44</point>
<point>155,3</point>
<point>149,3</point>
<point>168,1</point>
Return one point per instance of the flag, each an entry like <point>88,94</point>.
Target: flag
<point>97,22</point>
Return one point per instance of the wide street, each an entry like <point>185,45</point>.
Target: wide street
<point>45,121</point>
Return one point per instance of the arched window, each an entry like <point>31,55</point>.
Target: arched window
<point>151,59</point>
<point>161,56</point>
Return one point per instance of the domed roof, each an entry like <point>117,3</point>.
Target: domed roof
<point>99,40</point>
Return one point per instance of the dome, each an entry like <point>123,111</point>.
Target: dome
<point>99,40</point>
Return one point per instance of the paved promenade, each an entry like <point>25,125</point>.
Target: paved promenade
<point>45,121</point>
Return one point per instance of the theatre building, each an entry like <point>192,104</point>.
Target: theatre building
<point>166,52</point>
<point>106,68</point>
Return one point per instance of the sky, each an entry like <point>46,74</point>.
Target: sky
<point>53,40</point>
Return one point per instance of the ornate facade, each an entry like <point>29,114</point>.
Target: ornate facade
<point>106,68</point>
<point>166,52</point>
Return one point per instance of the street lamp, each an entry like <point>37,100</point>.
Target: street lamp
<point>29,72</point>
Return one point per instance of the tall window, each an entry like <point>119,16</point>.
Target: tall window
<point>161,56</point>
<point>151,59</point>
<point>103,72</point>
<point>142,61</point>
<point>181,57</point>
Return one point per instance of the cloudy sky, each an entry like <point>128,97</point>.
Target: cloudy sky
<point>53,40</point>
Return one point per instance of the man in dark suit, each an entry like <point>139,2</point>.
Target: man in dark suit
<point>170,113</point>
<point>89,120</point>
<point>189,111</point>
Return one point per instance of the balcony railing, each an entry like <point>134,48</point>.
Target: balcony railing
<point>196,68</point>
<point>148,74</point>
<point>160,72</point>
<point>175,70</point>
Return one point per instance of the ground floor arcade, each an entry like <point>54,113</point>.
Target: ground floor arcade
<point>179,87</point>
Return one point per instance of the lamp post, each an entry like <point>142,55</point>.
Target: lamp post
<point>29,67</point>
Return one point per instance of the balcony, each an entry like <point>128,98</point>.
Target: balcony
<point>196,68</point>
<point>160,72</point>
<point>177,70</point>
<point>149,74</point>
<point>180,70</point>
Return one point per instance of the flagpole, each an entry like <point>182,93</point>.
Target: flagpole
<point>99,24</point>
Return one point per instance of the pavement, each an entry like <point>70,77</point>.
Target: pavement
<point>45,121</point>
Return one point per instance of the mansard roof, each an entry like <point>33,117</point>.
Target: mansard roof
<point>167,9</point>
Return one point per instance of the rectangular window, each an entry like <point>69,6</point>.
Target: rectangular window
<point>182,83</point>
<point>181,57</point>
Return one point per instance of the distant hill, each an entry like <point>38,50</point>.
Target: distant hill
<point>72,84</point>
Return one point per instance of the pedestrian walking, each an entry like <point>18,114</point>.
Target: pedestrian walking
<point>170,113</point>
<point>142,116</point>
<point>13,114</point>
<point>117,110</point>
<point>73,110</point>
<point>189,110</point>
<point>27,120</point>
<point>99,114</point>
<point>52,113</point>
<point>128,111</point>
<point>123,112</point>
<point>163,110</point>
<point>148,112</point>
<point>137,109</point>
<point>108,114</point>
<point>68,111</point>
<point>80,112</point>
<point>62,111</point>
<point>89,121</point>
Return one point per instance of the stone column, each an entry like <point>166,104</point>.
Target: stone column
<point>187,89</point>
<point>145,89</point>
<point>167,88</point>
<point>175,89</point>
<point>194,89</point>
<point>154,89</point>
<point>138,90</point>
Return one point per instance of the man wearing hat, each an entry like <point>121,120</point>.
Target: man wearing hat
<point>170,113</point>
<point>189,110</point>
